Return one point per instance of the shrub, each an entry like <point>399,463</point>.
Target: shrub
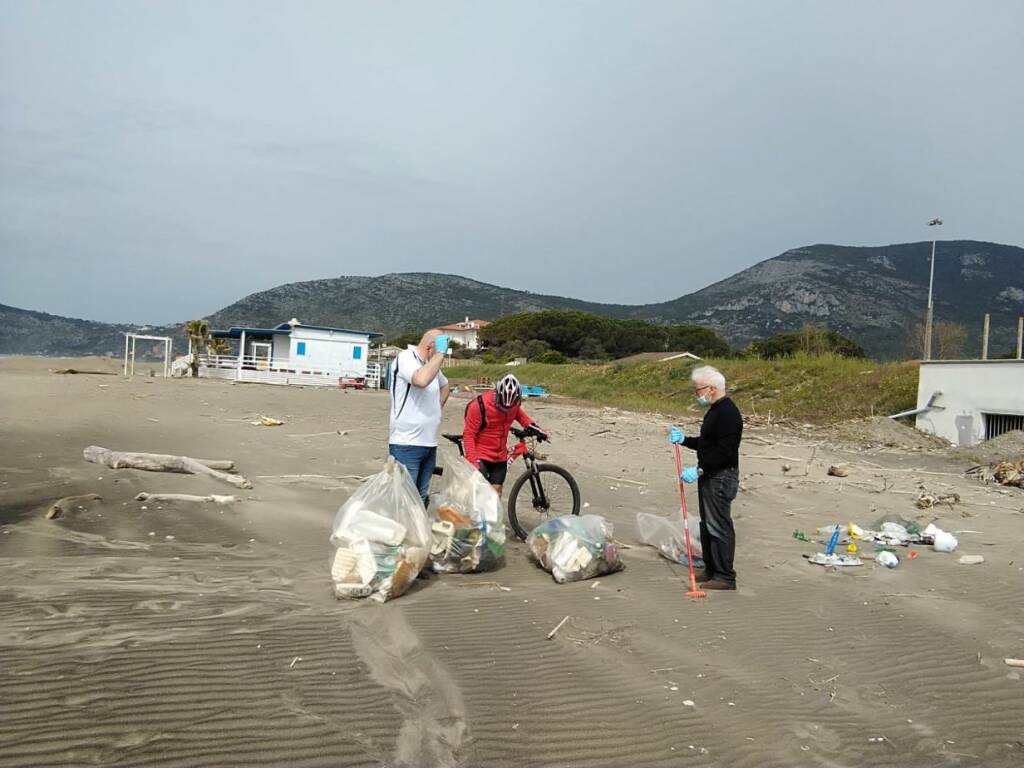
<point>809,340</point>
<point>552,357</point>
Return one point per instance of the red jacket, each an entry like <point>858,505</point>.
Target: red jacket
<point>489,441</point>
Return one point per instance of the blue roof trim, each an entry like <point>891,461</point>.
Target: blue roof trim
<point>371,334</point>
<point>235,332</point>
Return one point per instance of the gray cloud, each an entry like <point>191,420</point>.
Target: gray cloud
<point>158,160</point>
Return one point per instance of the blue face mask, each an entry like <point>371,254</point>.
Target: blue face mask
<point>703,401</point>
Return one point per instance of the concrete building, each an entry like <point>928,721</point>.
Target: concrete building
<point>967,401</point>
<point>466,332</point>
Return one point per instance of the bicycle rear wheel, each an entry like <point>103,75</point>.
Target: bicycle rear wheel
<point>550,492</point>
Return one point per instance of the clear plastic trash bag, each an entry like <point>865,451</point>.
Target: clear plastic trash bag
<point>575,548</point>
<point>381,537</point>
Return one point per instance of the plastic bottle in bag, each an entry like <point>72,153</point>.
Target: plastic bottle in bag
<point>474,540</point>
<point>381,536</point>
<point>575,548</point>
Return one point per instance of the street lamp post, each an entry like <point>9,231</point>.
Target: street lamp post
<point>931,282</point>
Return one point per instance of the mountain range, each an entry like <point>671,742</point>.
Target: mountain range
<point>874,295</point>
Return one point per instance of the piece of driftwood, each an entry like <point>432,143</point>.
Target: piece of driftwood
<point>158,462</point>
<point>212,498</point>
<point>311,478</point>
<point>623,480</point>
<point>554,631</point>
<point>770,457</point>
<point>73,371</point>
<point>62,506</point>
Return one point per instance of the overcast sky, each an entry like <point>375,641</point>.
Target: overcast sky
<point>159,160</point>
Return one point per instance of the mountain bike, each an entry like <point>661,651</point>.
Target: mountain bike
<point>553,491</point>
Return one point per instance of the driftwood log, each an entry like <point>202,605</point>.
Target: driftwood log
<point>62,506</point>
<point>73,371</point>
<point>158,462</point>
<point>212,498</point>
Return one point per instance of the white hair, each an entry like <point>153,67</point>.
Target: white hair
<point>709,376</point>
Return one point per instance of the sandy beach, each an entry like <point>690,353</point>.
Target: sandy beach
<point>184,634</point>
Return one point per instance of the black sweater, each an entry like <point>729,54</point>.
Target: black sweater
<point>718,446</point>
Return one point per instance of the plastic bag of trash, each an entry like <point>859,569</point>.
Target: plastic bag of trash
<point>668,536</point>
<point>467,524</point>
<point>575,548</point>
<point>381,537</point>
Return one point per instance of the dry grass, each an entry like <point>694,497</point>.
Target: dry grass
<point>814,389</point>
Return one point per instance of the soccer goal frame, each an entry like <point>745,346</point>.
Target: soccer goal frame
<point>129,351</point>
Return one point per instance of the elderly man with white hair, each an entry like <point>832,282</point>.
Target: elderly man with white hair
<point>716,474</point>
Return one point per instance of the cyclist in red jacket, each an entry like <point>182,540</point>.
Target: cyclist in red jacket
<point>485,430</point>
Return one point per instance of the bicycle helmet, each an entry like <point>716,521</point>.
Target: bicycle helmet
<point>507,392</point>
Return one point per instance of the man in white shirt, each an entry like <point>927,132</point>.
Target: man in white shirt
<point>418,393</point>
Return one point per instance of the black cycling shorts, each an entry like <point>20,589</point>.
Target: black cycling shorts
<point>494,471</point>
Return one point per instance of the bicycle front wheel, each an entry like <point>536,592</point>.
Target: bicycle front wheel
<point>539,496</point>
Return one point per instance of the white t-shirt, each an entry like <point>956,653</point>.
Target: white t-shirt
<point>418,421</point>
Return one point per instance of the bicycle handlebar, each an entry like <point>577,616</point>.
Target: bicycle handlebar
<point>522,434</point>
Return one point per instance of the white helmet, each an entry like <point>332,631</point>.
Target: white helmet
<point>507,392</point>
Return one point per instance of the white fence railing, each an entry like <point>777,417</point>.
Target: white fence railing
<point>260,370</point>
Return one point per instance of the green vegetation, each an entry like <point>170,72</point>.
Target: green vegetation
<point>590,337</point>
<point>810,340</point>
<point>198,333</point>
<point>814,389</point>
<point>404,340</point>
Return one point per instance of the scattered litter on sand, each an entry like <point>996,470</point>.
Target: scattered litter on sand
<point>1004,473</point>
<point>267,421</point>
<point>833,560</point>
<point>928,500</point>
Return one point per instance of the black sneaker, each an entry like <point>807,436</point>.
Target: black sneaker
<point>719,584</point>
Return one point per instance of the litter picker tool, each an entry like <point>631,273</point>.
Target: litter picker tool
<point>694,592</point>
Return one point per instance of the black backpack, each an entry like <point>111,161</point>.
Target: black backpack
<point>483,412</point>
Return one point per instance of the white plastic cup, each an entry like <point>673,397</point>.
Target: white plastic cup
<point>945,542</point>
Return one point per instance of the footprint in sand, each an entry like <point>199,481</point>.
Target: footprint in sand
<point>434,726</point>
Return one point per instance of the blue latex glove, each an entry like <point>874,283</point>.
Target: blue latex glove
<point>675,435</point>
<point>689,475</point>
<point>441,344</point>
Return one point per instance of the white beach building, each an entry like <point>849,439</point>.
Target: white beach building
<point>967,401</point>
<point>293,353</point>
<point>467,333</point>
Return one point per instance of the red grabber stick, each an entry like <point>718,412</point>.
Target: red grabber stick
<point>694,592</point>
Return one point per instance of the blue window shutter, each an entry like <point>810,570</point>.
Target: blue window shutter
<point>357,353</point>
<point>300,348</point>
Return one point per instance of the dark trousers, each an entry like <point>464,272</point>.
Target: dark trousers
<point>717,535</point>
